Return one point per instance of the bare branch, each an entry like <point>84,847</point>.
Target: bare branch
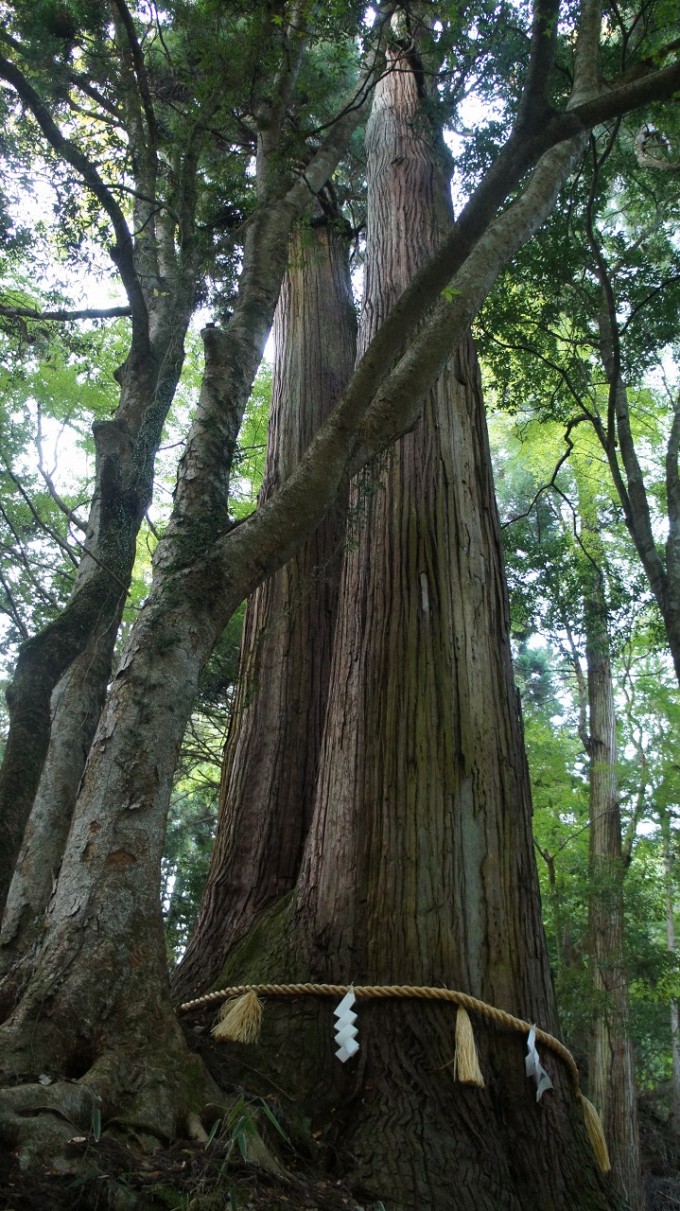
<point>54,534</point>
<point>60,502</point>
<point>13,611</point>
<point>551,482</point>
<point>64,314</point>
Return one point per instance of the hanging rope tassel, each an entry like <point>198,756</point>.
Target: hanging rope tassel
<point>240,1020</point>
<point>466,1064</point>
<point>595,1131</point>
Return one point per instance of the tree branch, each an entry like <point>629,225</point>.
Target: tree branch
<point>54,534</point>
<point>622,98</point>
<point>541,60</point>
<point>122,252</point>
<point>64,314</point>
<point>13,611</point>
<point>551,482</point>
<point>140,71</point>
<point>632,493</point>
<point>60,502</point>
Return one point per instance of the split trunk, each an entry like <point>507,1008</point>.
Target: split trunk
<point>272,751</point>
<point>419,866</point>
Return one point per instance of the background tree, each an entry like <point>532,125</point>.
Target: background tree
<point>591,335</point>
<point>592,607</point>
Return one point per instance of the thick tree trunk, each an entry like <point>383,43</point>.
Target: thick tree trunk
<point>419,865</point>
<point>610,1070</point>
<point>100,976</point>
<point>271,755</point>
<point>76,706</point>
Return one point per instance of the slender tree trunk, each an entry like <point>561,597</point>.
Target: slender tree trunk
<point>672,950</point>
<point>419,865</point>
<point>610,1071</point>
<point>271,755</point>
<point>660,564</point>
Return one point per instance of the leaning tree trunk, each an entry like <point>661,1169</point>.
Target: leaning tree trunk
<point>272,751</point>
<point>72,655</point>
<point>611,1078</point>
<point>95,1014</point>
<point>419,865</point>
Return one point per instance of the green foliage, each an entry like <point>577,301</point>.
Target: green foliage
<point>252,445</point>
<point>52,387</point>
<point>553,552</point>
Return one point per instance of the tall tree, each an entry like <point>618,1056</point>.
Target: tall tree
<point>418,868</point>
<point>574,592</point>
<point>94,1012</point>
<point>272,752</point>
<point>611,1080</point>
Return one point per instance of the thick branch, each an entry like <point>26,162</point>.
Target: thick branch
<point>140,70</point>
<point>619,100</point>
<point>587,55</point>
<point>541,59</point>
<point>64,314</point>
<point>398,401</point>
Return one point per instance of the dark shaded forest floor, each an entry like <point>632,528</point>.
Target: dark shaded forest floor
<point>660,1144</point>
<point>187,1177</point>
<point>278,1174</point>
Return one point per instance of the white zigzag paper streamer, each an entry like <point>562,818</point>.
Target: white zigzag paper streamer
<point>345,1030</point>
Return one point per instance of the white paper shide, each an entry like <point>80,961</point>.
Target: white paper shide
<point>534,1067</point>
<point>345,1029</point>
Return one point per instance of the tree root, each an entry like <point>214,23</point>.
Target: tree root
<point>39,1120</point>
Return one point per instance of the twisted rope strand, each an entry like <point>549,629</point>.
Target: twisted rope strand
<point>375,991</point>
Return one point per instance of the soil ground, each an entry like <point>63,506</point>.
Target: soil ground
<point>256,1160</point>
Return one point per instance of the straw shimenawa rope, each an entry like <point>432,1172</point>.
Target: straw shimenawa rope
<point>241,1018</point>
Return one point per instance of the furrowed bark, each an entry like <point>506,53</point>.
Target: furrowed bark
<point>419,865</point>
<point>271,755</point>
